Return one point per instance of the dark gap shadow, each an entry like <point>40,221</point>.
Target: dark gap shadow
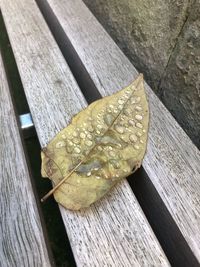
<point>163,225</point>
<point>171,239</point>
<point>54,230</point>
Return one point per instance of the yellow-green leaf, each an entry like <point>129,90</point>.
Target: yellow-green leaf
<point>104,143</point>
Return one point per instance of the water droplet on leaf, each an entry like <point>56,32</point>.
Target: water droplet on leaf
<point>60,144</point>
<point>77,150</point>
<point>82,135</point>
<point>119,129</point>
<point>88,143</point>
<point>133,138</point>
<point>139,125</point>
<point>138,117</point>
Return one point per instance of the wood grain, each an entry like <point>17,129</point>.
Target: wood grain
<point>114,232</point>
<point>172,161</point>
<point>21,241</point>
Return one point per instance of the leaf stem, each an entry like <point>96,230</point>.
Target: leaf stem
<point>60,183</point>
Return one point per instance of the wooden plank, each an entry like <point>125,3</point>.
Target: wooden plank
<point>172,161</point>
<point>21,242</point>
<point>114,232</point>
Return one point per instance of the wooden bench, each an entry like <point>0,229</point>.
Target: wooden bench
<point>22,241</point>
<point>114,231</point>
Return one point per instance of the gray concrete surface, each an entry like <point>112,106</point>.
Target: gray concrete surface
<point>161,38</point>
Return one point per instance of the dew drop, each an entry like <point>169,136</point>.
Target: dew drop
<point>106,176</point>
<point>100,148</point>
<point>77,150</point>
<point>89,136</point>
<point>139,125</point>
<point>135,100</point>
<point>108,118</point>
<point>89,174</point>
<point>128,91</point>
<point>136,147</point>
<point>144,131</point>
<point>82,135</point>
<point>139,134</point>
<point>60,144</point>
<point>131,122</point>
<point>127,112</point>
<point>125,138</point>
<point>88,143</point>
<point>69,149</point>
<point>111,106</point>
<point>133,138</point>
<point>112,153</point>
<point>138,108</point>
<point>64,136</point>
<point>97,177</point>
<point>115,111</point>
<point>90,129</point>
<point>119,129</point>
<point>138,117</point>
<point>76,141</point>
<point>115,164</point>
<point>141,141</point>
<point>99,126</point>
<point>120,101</point>
<point>70,143</point>
<point>69,136</point>
<point>119,145</point>
<point>75,134</point>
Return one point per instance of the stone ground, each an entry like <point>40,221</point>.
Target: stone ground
<point>162,40</point>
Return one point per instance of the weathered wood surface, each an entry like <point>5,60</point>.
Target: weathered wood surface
<point>114,232</point>
<point>172,161</point>
<point>21,240</point>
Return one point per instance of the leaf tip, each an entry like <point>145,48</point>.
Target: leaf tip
<point>141,75</point>
<point>140,78</point>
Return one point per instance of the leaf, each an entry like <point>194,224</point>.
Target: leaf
<point>104,143</point>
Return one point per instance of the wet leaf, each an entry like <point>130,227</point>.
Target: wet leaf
<point>104,143</point>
